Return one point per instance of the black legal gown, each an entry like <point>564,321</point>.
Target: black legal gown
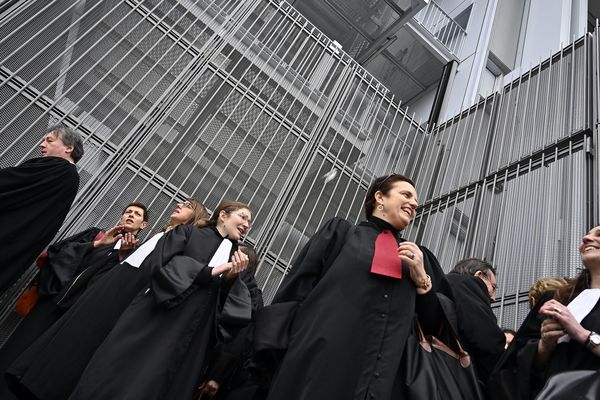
<point>35,198</point>
<point>51,367</point>
<point>478,328</point>
<point>147,355</point>
<point>349,332</point>
<point>66,260</point>
<point>526,380</point>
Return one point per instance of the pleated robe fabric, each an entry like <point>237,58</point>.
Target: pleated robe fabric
<point>147,355</point>
<point>35,198</point>
<point>51,367</point>
<point>350,329</point>
<point>478,328</point>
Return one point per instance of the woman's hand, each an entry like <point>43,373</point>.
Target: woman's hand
<point>412,256</point>
<point>560,321</point>
<point>207,389</point>
<point>110,236</point>
<point>238,263</point>
<point>128,243</point>
<point>568,324</point>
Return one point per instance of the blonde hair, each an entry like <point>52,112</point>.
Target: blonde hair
<point>543,285</point>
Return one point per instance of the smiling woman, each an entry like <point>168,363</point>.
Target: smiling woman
<point>355,291</point>
<point>567,339</point>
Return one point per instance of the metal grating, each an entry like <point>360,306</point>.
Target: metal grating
<point>247,100</point>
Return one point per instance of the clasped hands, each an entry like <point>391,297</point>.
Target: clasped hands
<point>238,263</point>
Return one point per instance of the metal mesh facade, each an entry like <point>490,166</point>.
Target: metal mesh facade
<point>246,100</point>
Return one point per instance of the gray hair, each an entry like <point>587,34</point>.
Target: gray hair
<point>470,266</point>
<point>70,138</point>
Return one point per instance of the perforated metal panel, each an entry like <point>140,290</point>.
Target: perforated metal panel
<point>247,100</point>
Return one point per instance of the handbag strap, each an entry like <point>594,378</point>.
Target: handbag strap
<point>428,342</point>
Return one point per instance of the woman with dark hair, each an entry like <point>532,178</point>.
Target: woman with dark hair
<point>52,365</point>
<point>559,334</point>
<point>355,291</point>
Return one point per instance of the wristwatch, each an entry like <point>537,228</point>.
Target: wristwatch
<point>592,341</point>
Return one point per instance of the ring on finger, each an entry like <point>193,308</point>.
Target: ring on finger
<point>558,310</point>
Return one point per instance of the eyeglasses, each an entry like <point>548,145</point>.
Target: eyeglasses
<point>245,217</point>
<point>187,204</point>
<point>489,280</point>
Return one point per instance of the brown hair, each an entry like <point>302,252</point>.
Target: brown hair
<point>199,218</point>
<point>252,258</point>
<point>543,285</point>
<point>228,207</point>
<point>382,184</point>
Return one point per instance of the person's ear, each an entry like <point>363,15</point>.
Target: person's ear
<point>378,197</point>
<point>144,225</point>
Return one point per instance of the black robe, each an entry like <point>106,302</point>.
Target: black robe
<point>229,360</point>
<point>478,328</point>
<point>165,327</point>
<point>516,378</point>
<point>51,367</point>
<point>65,259</point>
<point>35,198</point>
<point>349,332</point>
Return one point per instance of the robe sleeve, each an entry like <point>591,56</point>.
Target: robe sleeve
<point>313,261</point>
<point>273,322</point>
<point>512,376</point>
<point>477,325</point>
<point>64,261</point>
<point>429,310</point>
<point>183,273</point>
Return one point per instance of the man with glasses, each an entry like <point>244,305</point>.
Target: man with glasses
<point>473,283</point>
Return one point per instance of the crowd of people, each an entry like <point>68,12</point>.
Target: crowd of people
<point>180,316</point>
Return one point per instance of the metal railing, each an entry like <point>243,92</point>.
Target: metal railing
<point>246,100</point>
<point>442,27</point>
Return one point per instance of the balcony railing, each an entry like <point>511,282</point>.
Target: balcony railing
<point>442,27</point>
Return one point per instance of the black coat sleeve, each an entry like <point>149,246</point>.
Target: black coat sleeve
<point>477,325</point>
<point>65,260</point>
<point>429,310</point>
<point>313,261</point>
<point>183,272</point>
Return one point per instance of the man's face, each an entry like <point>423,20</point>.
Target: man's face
<point>52,145</point>
<point>133,219</point>
<point>489,279</point>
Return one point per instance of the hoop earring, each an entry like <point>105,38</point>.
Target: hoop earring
<point>380,207</point>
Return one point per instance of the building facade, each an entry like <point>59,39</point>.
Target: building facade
<point>248,100</point>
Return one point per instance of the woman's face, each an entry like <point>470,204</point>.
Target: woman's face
<point>183,213</point>
<point>399,204</point>
<point>235,224</point>
<point>590,248</point>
